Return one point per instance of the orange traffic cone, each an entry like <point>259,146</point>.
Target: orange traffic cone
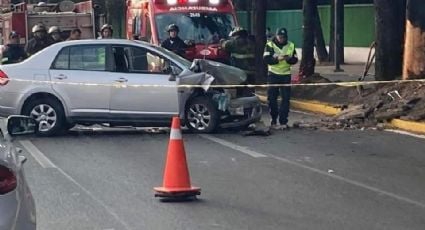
<point>176,181</point>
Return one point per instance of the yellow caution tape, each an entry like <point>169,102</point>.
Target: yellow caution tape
<point>347,84</point>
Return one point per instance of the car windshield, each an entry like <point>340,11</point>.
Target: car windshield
<point>199,27</point>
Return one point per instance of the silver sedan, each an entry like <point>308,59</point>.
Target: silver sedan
<point>17,208</point>
<point>123,83</point>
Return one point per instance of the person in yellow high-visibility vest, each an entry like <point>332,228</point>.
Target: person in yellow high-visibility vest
<point>279,55</point>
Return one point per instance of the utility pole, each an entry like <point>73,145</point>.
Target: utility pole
<point>414,55</point>
<point>390,23</point>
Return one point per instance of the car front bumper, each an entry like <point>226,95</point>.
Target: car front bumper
<point>242,112</point>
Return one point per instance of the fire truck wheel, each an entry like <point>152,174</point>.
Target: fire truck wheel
<point>49,114</point>
<point>201,115</point>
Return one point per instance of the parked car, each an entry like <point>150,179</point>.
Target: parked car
<point>17,208</point>
<point>123,82</point>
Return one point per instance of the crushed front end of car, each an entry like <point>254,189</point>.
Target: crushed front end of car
<point>223,84</point>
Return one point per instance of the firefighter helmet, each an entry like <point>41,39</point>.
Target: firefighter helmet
<point>173,27</point>
<point>38,28</point>
<point>237,31</point>
<point>106,26</point>
<point>13,34</point>
<point>54,29</point>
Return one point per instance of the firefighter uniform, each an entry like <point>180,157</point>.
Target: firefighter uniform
<point>175,43</point>
<point>13,52</point>
<point>39,41</point>
<point>242,52</point>
<point>279,55</point>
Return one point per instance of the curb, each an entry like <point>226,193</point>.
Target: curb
<point>330,110</point>
<point>412,126</point>
<point>311,106</point>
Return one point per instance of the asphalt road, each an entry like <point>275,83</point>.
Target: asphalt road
<point>293,179</point>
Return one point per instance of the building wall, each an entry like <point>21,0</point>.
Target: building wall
<point>359,24</point>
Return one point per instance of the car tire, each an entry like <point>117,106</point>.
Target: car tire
<point>49,113</point>
<point>201,115</point>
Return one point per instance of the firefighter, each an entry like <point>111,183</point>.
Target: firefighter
<point>13,52</point>
<point>55,34</point>
<point>39,41</point>
<point>75,35</point>
<point>106,31</point>
<point>242,52</point>
<point>174,42</point>
<point>279,55</point>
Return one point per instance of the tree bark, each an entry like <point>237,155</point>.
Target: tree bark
<point>308,62</point>
<point>332,33</point>
<point>390,27</point>
<point>414,56</point>
<point>340,30</point>
<point>260,37</point>
<point>322,53</point>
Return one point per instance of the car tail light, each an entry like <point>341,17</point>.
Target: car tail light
<point>4,79</point>
<point>8,180</point>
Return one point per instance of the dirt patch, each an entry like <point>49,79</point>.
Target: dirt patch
<point>368,107</point>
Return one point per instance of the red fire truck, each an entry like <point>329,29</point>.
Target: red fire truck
<point>205,22</point>
<point>67,15</point>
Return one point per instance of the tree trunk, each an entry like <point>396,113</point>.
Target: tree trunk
<point>322,53</point>
<point>340,30</point>
<point>308,62</point>
<point>414,56</point>
<point>260,37</point>
<point>332,33</point>
<point>390,24</point>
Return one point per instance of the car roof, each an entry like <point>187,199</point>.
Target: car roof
<point>44,58</point>
<point>103,41</point>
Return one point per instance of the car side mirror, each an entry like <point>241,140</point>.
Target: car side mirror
<point>21,125</point>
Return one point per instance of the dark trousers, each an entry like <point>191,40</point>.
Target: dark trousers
<point>273,94</point>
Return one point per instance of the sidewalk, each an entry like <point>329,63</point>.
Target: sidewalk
<point>351,72</point>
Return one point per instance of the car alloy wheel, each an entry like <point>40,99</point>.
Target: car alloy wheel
<point>201,115</point>
<point>45,115</point>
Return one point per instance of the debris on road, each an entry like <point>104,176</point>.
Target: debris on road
<point>257,129</point>
<point>371,110</point>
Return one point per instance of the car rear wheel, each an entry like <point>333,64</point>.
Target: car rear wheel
<point>48,113</point>
<point>201,115</point>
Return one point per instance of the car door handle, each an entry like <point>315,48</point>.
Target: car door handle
<point>122,80</point>
<point>61,77</point>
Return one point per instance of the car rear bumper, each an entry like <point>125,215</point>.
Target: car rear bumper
<point>243,111</point>
<point>17,214</point>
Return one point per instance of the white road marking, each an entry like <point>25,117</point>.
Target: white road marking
<point>46,163</point>
<point>405,133</point>
<point>239,148</point>
<point>315,170</point>
<point>37,154</point>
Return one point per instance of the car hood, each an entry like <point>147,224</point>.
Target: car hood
<point>223,74</point>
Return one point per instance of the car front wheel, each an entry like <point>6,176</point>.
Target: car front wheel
<point>48,113</point>
<point>201,115</point>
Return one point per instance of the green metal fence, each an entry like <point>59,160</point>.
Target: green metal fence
<point>359,24</point>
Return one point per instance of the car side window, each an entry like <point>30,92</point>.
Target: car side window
<point>138,60</point>
<point>62,60</point>
<point>92,58</point>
